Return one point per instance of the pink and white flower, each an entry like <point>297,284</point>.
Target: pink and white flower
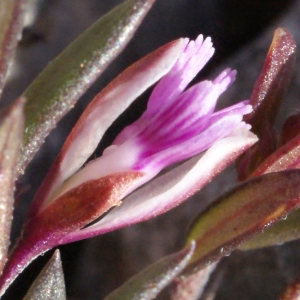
<point>178,125</point>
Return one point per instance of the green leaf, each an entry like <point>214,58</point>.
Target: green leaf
<point>50,283</point>
<point>148,283</point>
<point>241,213</point>
<point>283,231</point>
<point>11,25</point>
<point>11,129</point>
<point>55,91</point>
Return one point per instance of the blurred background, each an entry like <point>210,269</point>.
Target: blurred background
<point>241,31</point>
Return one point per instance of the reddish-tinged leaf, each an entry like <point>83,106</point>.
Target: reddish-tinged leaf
<point>50,283</point>
<point>82,205</point>
<point>11,25</point>
<point>284,158</point>
<point>55,91</point>
<point>243,212</point>
<point>70,212</point>
<point>290,129</point>
<point>273,81</point>
<point>266,99</point>
<point>151,281</point>
<point>11,128</point>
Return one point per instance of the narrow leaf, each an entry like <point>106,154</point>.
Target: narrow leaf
<point>284,158</point>
<point>273,81</point>
<point>241,213</point>
<point>11,25</point>
<point>50,283</point>
<point>151,281</point>
<point>11,128</point>
<point>55,91</point>
<point>266,99</point>
<point>283,231</point>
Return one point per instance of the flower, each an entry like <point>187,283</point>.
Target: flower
<point>178,125</point>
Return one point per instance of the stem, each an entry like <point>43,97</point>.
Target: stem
<point>21,256</point>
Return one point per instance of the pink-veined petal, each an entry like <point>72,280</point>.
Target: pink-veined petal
<point>193,58</point>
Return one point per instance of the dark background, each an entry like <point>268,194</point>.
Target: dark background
<point>241,31</point>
